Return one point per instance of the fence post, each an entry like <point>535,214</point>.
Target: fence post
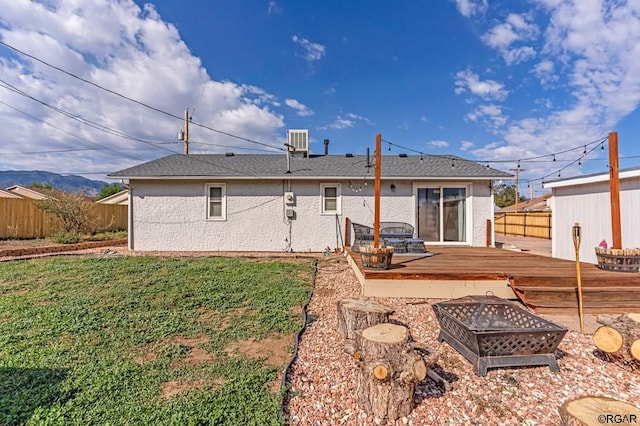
<point>489,233</point>
<point>524,227</point>
<point>504,224</point>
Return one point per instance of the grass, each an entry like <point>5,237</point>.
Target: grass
<point>96,340</point>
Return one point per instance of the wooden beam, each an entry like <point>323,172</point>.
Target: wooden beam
<point>614,191</point>
<point>376,219</point>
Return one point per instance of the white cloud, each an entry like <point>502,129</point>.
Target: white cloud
<point>468,81</point>
<point>516,28</point>
<point>345,121</point>
<point>130,50</point>
<point>424,119</point>
<point>312,51</point>
<point>490,115</point>
<point>301,109</point>
<point>592,50</point>
<point>274,8</point>
<point>468,8</point>
<point>466,145</point>
<point>438,144</point>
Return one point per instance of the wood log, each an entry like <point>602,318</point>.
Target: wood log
<point>390,367</point>
<point>357,314</point>
<point>608,339</point>
<point>618,336</point>
<point>593,411</point>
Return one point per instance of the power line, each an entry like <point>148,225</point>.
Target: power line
<point>98,126</point>
<point>134,100</point>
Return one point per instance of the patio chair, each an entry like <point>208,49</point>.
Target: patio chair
<point>396,230</point>
<point>363,236</point>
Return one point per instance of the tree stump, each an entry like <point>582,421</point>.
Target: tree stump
<point>619,338</point>
<point>357,314</point>
<point>390,365</point>
<point>593,411</point>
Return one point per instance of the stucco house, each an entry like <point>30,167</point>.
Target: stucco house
<point>586,200</point>
<point>299,202</point>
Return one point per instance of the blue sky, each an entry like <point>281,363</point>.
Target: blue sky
<point>492,81</point>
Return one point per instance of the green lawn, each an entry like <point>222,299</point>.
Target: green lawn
<point>145,340</point>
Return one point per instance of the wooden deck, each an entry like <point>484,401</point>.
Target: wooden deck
<point>544,284</point>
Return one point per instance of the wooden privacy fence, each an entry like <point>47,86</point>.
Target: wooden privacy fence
<point>22,219</point>
<point>525,224</point>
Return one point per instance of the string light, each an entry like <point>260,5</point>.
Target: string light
<point>555,160</point>
<point>421,159</point>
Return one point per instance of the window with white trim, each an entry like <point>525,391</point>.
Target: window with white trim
<point>216,201</point>
<point>331,199</point>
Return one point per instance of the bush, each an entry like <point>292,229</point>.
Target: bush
<point>66,237</point>
<point>72,210</point>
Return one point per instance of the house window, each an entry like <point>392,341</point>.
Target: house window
<point>330,198</point>
<point>216,201</point>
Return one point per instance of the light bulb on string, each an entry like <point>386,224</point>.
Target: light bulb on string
<point>585,150</point>
<point>602,146</point>
<point>579,162</point>
<point>452,163</point>
<point>421,159</point>
<point>558,173</point>
<point>389,147</point>
<point>518,164</point>
<point>554,159</point>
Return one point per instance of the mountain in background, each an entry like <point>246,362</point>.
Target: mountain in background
<point>71,183</point>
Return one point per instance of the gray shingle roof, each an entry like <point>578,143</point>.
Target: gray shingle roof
<point>267,166</point>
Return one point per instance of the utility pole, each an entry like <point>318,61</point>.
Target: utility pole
<point>186,131</point>
<point>517,170</point>
<point>183,135</point>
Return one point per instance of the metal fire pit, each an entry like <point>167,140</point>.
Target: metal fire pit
<point>493,332</point>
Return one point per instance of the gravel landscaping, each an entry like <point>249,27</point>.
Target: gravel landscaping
<point>323,377</point>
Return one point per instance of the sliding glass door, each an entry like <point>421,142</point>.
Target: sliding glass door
<point>442,215</point>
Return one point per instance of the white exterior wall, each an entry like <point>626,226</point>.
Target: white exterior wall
<point>171,215</point>
<point>481,204</point>
<point>589,204</point>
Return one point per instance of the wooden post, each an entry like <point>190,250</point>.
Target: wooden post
<point>489,233</point>
<point>347,234</point>
<point>614,191</point>
<point>376,220</point>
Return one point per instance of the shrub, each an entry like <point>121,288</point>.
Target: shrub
<point>66,237</point>
<point>72,210</point>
